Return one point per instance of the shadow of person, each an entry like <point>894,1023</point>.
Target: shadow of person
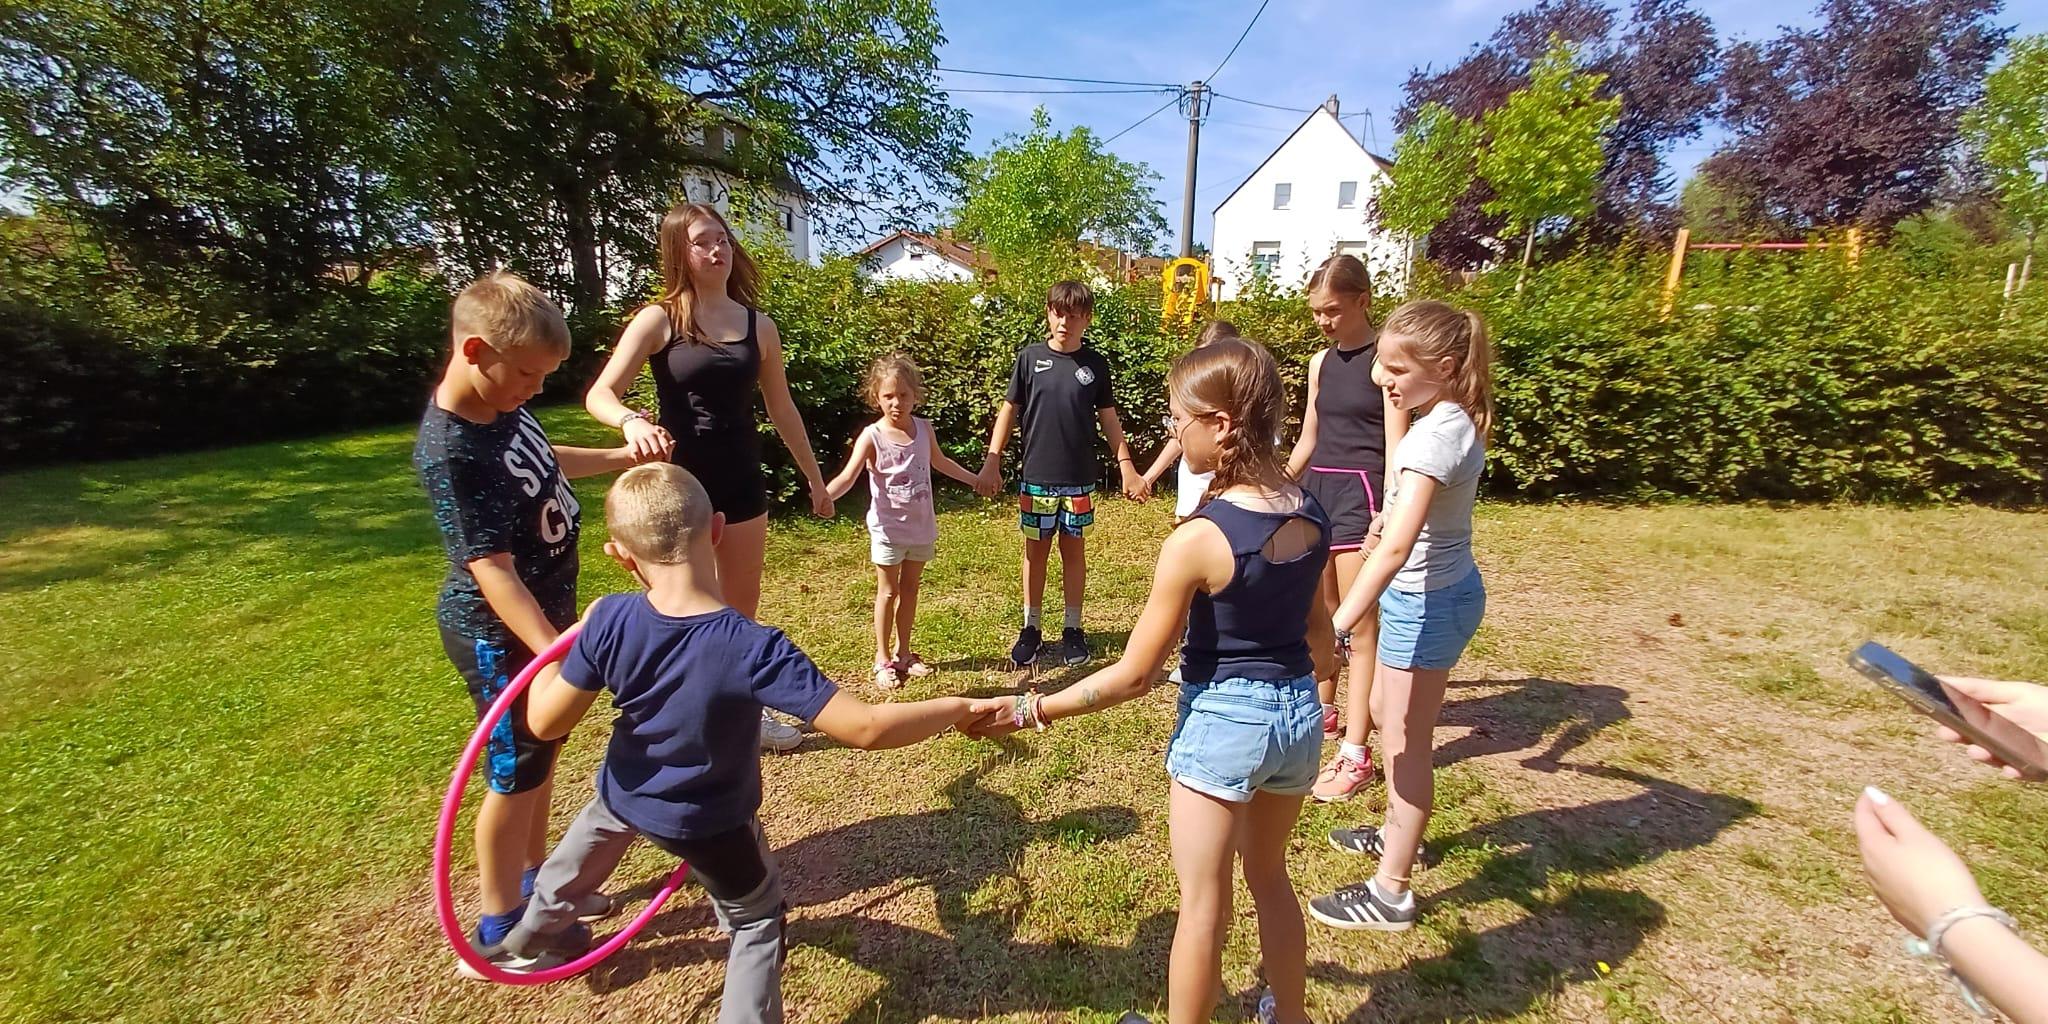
<point>954,850</point>
<point>1519,718</point>
<point>1551,863</point>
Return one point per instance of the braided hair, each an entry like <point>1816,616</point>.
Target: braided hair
<point>1235,377</point>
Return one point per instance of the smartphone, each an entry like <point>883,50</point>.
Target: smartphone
<point>1924,692</point>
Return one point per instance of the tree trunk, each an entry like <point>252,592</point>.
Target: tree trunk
<point>1528,253</point>
<point>586,276</point>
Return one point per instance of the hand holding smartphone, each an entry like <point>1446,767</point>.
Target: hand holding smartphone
<point>2008,742</point>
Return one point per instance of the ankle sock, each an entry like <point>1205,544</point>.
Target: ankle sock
<point>526,880</point>
<point>1402,901</point>
<point>1030,616</point>
<point>1073,616</point>
<point>494,927</point>
<point>1355,751</point>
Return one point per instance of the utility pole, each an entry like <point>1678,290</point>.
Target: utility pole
<point>1195,104</point>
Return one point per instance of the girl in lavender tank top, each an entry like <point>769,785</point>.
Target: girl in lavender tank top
<point>903,528</point>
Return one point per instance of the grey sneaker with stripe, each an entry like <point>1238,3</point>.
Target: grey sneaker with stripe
<point>1365,840</point>
<point>1361,908</point>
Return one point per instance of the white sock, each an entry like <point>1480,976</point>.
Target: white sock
<point>1073,616</point>
<point>1030,616</point>
<point>1403,901</point>
<point>1354,751</point>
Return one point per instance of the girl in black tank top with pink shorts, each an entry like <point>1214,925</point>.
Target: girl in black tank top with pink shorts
<point>706,392</point>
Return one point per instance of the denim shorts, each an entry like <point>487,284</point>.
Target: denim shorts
<point>1430,628</point>
<point>1239,736</point>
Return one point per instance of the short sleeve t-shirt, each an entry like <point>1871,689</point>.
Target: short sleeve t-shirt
<point>685,760</point>
<point>1443,444</point>
<point>496,487</point>
<point>1057,395</point>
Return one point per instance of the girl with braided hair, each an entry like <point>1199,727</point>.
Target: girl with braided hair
<point>1235,588</point>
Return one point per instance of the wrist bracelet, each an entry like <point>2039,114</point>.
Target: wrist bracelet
<point>630,416</point>
<point>1038,718</point>
<point>1931,947</point>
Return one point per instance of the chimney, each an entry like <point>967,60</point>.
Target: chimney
<point>1331,104</point>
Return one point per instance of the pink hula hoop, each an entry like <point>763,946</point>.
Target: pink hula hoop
<point>444,835</point>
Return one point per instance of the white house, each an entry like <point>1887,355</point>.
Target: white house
<point>911,256</point>
<point>774,213</point>
<point>1309,200</point>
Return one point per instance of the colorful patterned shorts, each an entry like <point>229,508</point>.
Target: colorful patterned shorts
<point>1044,510</point>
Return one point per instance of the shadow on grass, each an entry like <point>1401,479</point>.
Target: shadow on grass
<point>1519,718</point>
<point>1550,863</point>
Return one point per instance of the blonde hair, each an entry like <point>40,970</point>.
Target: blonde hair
<point>1215,332</point>
<point>655,511</point>
<point>1344,274</point>
<point>894,366</point>
<point>1238,378</point>
<point>678,292</point>
<point>509,314</point>
<point>1435,330</point>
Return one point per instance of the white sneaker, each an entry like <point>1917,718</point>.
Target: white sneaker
<point>778,736</point>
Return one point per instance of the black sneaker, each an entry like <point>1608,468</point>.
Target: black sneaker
<point>1365,840</point>
<point>1360,908</point>
<point>540,952</point>
<point>1073,646</point>
<point>1025,651</point>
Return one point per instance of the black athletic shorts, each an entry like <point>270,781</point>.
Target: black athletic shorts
<point>514,761</point>
<point>1349,498</point>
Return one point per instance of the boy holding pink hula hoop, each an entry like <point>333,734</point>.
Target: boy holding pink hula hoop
<point>689,676</point>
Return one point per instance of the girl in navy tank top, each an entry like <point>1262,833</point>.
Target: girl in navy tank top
<point>1236,591</point>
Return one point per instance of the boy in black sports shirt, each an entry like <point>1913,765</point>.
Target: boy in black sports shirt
<point>509,521</point>
<point>1059,392</point>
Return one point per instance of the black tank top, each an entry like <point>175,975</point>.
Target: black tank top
<point>1256,627</point>
<point>706,389</point>
<point>1351,417</point>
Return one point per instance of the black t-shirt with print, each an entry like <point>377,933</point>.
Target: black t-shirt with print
<point>1057,395</point>
<point>496,487</point>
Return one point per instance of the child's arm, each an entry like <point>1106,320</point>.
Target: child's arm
<point>1136,487</point>
<point>1403,525</point>
<point>1166,456</point>
<point>1305,445</point>
<point>578,463</point>
<point>789,423</point>
<point>497,578</point>
<point>1397,424</point>
<point>1186,560</point>
<point>553,707</point>
<point>863,450</point>
<point>944,463</point>
<point>881,726</point>
<point>992,465</point>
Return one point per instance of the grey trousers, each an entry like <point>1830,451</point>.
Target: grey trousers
<point>590,851</point>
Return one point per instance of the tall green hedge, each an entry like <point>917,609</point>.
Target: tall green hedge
<point>1777,376</point>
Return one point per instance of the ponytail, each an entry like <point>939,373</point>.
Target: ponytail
<point>1435,330</point>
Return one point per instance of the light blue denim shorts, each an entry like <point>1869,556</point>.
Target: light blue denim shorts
<point>1236,737</point>
<point>1430,628</point>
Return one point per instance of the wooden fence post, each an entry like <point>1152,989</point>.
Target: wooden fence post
<point>1677,267</point>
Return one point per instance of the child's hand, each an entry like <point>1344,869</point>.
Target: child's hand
<point>1915,874</point>
<point>2015,713</point>
<point>1373,531</point>
<point>989,718</point>
<point>649,441</point>
<point>990,483</point>
<point>821,500</point>
<point>1135,487</point>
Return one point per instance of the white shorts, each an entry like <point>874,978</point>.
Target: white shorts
<point>881,552</point>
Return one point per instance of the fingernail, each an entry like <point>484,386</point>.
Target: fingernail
<point>1876,795</point>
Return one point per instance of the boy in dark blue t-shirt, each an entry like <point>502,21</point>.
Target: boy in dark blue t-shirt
<point>500,494</point>
<point>689,677</point>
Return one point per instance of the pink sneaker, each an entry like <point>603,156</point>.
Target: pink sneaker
<point>1342,778</point>
<point>1331,729</point>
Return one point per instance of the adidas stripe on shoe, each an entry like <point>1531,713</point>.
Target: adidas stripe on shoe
<point>1362,908</point>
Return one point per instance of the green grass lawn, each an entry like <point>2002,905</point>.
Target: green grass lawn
<point>228,721</point>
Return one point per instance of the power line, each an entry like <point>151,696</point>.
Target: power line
<point>1069,92</point>
<point>1240,40</point>
<point>1056,78</point>
<point>1170,101</point>
<point>1256,103</point>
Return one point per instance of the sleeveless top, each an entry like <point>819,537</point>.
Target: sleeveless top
<point>900,482</point>
<point>1256,627</point>
<point>706,391</point>
<point>1351,415</point>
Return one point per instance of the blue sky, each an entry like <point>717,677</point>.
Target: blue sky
<point>1298,53</point>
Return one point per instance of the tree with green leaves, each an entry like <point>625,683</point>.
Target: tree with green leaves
<point>1435,160</point>
<point>1542,155</point>
<point>1038,194</point>
<point>2010,133</point>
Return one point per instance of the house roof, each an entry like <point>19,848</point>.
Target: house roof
<point>1385,164</point>
<point>950,249</point>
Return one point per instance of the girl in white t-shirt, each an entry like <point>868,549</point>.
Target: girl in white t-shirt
<point>1438,369</point>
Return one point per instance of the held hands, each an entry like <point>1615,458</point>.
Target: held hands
<point>1373,531</point>
<point>1914,873</point>
<point>821,500</point>
<point>989,717</point>
<point>2016,713</point>
<point>648,441</point>
<point>1136,487</point>
<point>988,483</point>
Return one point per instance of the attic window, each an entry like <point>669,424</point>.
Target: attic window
<point>1283,194</point>
<point>1347,195</point>
<point>785,216</point>
<point>916,251</point>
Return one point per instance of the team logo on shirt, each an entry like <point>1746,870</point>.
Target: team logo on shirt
<point>1085,375</point>
<point>1041,365</point>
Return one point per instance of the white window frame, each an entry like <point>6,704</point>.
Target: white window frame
<point>1265,258</point>
<point>1283,195</point>
<point>1342,202</point>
